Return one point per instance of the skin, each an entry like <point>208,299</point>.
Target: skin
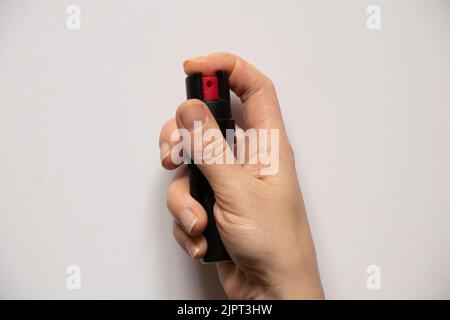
<point>261,219</point>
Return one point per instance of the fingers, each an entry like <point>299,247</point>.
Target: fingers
<point>194,246</point>
<point>205,144</point>
<point>189,216</point>
<point>260,107</point>
<point>257,93</point>
<point>185,209</point>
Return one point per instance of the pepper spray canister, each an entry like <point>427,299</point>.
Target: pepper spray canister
<point>214,91</point>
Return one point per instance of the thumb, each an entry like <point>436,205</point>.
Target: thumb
<point>205,144</point>
<point>257,93</point>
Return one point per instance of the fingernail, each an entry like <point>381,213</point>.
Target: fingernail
<point>164,151</point>
<point>192,113</point>
<point>188,219</point>
<point>191,59</point>
<point>191,248</point>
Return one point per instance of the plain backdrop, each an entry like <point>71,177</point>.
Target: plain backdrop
<point>367,112</point>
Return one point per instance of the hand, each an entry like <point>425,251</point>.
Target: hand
<point>261,219</point>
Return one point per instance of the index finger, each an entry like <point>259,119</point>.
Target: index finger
<point>256,91</point>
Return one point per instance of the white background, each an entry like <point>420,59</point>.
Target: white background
<point>367,112</point>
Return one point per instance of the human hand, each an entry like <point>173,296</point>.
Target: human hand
<point>261,219</point>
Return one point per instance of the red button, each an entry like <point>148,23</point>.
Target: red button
<point>210,88</point>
